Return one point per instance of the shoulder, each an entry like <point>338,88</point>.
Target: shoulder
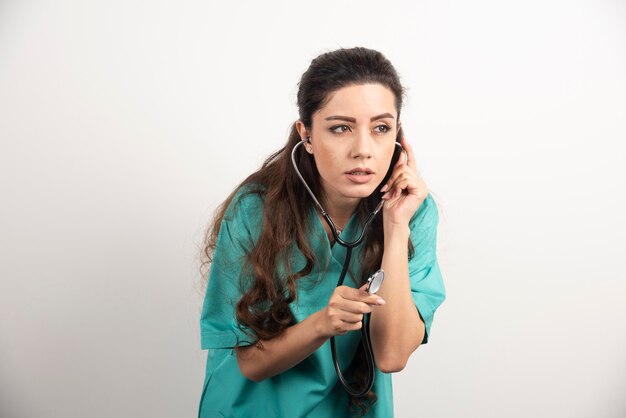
<point>246,204</point>
<point>426,216</point>
<point>241,224</point>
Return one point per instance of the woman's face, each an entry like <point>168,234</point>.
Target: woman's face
<point>353,140</point>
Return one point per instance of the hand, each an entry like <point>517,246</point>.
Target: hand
<point>345,310</point>
<point>405,190</point>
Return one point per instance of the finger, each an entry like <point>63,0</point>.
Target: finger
<point>341,327</point>
<point>402,184</point>
<point>399,184</point>
<point>362,295</point>
<point>395,175</point>
<point>346,327</point>
<point>409,186</point>
<point>396,169</point>
<point>401,188</point>
<point>361,304</point>
<point>350,318</point>
<point>354,326</point>
<point>409,153</point>
<point>355,307</point>
<point>401,159</point>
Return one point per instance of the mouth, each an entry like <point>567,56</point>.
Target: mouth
<point>359,171</point>
<point>360,175</point>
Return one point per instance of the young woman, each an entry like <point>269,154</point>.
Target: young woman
<point>272,301</point>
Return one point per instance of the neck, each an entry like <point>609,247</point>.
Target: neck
<point>340,210</point>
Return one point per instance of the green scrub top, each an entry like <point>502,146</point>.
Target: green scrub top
<point>311,388</point>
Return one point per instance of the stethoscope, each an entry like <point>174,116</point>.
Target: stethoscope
<point>373,284</point>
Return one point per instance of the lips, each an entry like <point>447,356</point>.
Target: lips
<point>360,171</point>
<point>360,175</point>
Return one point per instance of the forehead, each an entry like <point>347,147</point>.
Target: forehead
<point>359,100</point>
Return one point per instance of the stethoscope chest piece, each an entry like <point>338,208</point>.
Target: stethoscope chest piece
<point>374,282</point>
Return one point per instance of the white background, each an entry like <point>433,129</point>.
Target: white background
<point>123,124</point>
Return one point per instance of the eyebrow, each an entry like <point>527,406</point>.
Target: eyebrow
<point>353,120</point>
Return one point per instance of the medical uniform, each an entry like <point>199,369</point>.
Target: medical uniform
<point>311,388</point>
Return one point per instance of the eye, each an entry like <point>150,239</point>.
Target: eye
<point>339,129</point>
<point>385,128</point>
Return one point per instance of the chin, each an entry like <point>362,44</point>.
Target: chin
<point>360,192</point>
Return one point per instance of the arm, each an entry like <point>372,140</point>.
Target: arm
<point>219,330</point>
<point>283,352</point>
<point>343,313</point>
<point>397,330</point>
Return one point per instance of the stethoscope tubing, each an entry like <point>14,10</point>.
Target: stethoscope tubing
<point>365,338</point>
<point>367,346</point>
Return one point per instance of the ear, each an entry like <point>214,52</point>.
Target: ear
<point>302,131</point>
<point>304,135</point>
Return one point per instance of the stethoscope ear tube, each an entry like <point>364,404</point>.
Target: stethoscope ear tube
<point>326,216</point>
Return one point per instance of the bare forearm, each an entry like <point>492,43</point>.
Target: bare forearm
<point>282,352</point>
<point>396,328</point>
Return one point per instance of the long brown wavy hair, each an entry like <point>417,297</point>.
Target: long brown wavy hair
<point>264,306</point>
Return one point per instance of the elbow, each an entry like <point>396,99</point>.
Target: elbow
<point>246,369</point>
<point>391,364</point>
<point>253,377</point>
<point>251,374</point>
<point>392,359</point>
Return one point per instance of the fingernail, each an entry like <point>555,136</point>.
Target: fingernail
<point>385,196</point>
<point>384,189</point>
<point>380,302</point>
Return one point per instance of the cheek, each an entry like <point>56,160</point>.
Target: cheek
<point>386,161</point>
<point>321,163</point>
<point>326,160</point>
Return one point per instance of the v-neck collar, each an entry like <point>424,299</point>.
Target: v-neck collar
<point>337,251</point>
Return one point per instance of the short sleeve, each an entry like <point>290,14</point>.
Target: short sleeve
<point>238,232</point>
<point>427,286</point>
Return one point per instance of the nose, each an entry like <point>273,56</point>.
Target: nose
<point>362,146</point>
